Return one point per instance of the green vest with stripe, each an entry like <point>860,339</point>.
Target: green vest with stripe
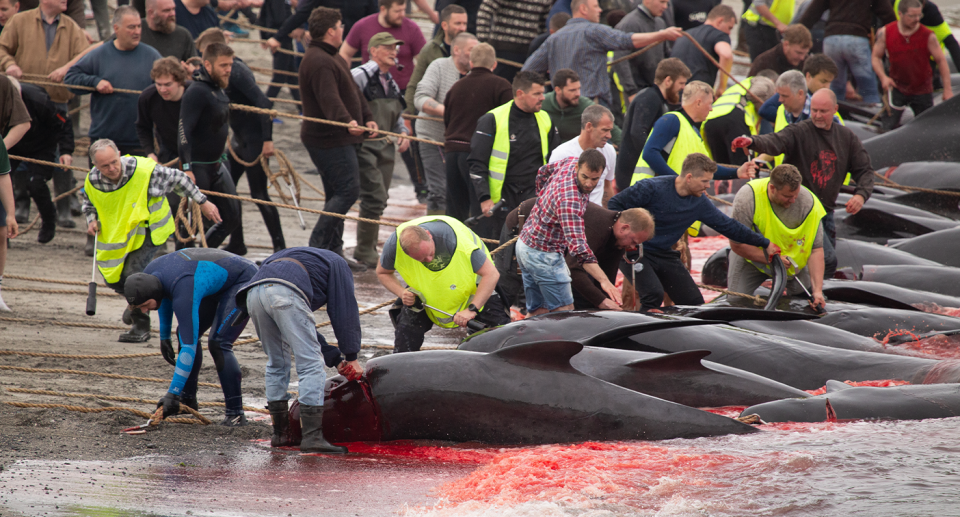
<point>688,141</point>
<point>733,97</point>
<point>940,31</point>
<point>616,82</point>
<point>795,243</point>
<point>125,215</point>
<point>781,9</point>
<point>782,123</point>
<point>500,154</point>
<point>450,289</point>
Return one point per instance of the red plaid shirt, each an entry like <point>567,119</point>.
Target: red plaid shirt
<point>556,221</point>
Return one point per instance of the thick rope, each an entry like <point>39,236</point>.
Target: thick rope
<point>633,55</point>
<point>258,42</point>
<point>96,374</point>
<point>55,291</point>
<point>121,399</point>
<point>892,184</point>
<point>696,43</point>
<point>193,225</point>
<point>48,280</point>
<point>271,71</point>
<point>100,326</point>
<point>509,63</point>
<point>756,299</point>
<point>280,85</point>
<point>76,356</point>
<point>82,409</point>
<point>422,117</point>
<point>54,200</point>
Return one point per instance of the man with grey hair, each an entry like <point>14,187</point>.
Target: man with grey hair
<point>130,224</point>
<point>735,114</point>
<point>596,123</point>
<point>789,215</point>
<point>428,100</point>
<point>162,32</point>
<point>122,64</point>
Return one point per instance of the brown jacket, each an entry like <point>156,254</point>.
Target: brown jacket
<point>468,100</point>
<point>598,226</point>
<point>328,91</point>
<point>22,43</point>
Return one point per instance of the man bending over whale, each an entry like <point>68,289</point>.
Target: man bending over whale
<point>675,202</point>
<point>199,286</point>
<point>789,215</point>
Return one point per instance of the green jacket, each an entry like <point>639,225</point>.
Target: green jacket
<point>430,52</point>
<point>567,121</point>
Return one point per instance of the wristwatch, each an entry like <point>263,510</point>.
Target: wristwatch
<point>473,308</point>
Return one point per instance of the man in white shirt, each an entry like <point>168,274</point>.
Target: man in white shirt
<point>596,123</point>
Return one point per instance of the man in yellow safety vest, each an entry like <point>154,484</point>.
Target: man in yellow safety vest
<point>789,215</point>
<point>510,144</point>
<point>735,114</point>
<point>766,20</point>
<point>130,224</point>
<point>445,266</point>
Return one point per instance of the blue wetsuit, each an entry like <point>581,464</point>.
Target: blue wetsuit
<point>199,287</point>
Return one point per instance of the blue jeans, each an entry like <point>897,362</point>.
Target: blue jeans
<point>853,53</point>
<point>340,173</point>
<point>286,326</point>
<point>546,278</point>
<point>829,245</point>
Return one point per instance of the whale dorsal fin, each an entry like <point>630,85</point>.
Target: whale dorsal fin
<point>689,360</point>
<point>542,355</point>
<point>835,386</point>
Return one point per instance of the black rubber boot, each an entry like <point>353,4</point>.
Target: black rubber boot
<point>234,420</point>
<point>311,422</point>
<point>282,435</point>
<point>140,330</point>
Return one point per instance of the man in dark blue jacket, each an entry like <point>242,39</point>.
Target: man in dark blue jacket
<point>281,299</point>
<point>199,286</point>
<point>676,202</point>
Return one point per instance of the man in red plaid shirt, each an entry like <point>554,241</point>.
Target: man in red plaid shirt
<point>555,226</point>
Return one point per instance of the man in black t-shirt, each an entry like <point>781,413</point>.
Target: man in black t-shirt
<point>714,36</point>
<point>690,14</point>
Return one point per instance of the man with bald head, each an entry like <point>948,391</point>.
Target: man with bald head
<point>823,151</point>
<point>161,31</point>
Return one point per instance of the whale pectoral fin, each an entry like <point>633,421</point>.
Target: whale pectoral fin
<point>834,386</point>
<point>831,414</point>
<point>689,360</point>
<point>542,355</point>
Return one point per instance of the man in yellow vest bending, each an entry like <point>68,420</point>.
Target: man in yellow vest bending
<point>510,144</point>
<point>447,267</point>
<point>789,215</point>
<point>125,203</point>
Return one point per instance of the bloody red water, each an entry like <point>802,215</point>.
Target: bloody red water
<point>875,384</point>
<point>728,411</point>
<point>934,347</point>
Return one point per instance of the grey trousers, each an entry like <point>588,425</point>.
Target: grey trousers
<point>435,169</point>
<point>744,277</point>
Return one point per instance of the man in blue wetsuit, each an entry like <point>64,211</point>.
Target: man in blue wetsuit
<point>199,286</point>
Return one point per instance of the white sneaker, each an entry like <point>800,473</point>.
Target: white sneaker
<point>3,306</point>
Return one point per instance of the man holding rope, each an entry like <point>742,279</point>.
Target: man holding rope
<point>131,223</point>
<point>204,113</point>
<point>200,287</point>
<point>329,92</point>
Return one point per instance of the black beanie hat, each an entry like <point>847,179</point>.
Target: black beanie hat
<point>141,287</point>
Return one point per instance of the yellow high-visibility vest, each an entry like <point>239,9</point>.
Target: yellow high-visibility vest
<point>616,81</point>
<point>795,243</point>
<point>781,9</point>
<point>125,215</point>
<point>501,146</point>
<point>688,141</point>
<point>450,289</point>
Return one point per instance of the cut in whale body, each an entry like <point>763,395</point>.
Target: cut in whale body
<point>857,403</point>
<point>524,394</point>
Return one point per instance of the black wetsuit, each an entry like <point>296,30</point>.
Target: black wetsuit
<point>250,131</point>
<point>204,114</point>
